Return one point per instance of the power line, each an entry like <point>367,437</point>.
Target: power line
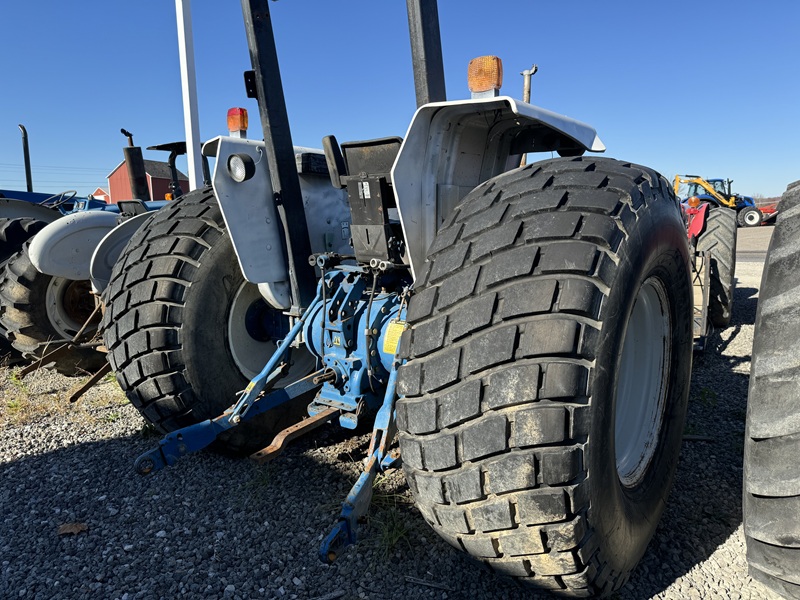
<point>60,168</point>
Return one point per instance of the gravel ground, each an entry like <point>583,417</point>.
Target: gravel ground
<point>213,527</point>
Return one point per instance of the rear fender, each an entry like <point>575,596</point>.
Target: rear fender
<point>252,220</point>
<point>15,209</point>
<point>696,221</point>
<point>109,249</point>
<point>64,248</point>
<point>452,147</point>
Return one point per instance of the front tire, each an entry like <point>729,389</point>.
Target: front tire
<point>174,328</point>
<point>771,494</point>
<point>555,300</point>
<point>749,217</point>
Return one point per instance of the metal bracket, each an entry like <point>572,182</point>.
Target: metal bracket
<point>356,505</point>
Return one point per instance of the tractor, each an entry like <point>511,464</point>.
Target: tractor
<point>524,333</point>
<point>771,487</point>
<point>718,192</point>
<point>56,259</point>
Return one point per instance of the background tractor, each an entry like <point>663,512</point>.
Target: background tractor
<point>56,260</point>
<point>525,332</point>
<point>718,192</point>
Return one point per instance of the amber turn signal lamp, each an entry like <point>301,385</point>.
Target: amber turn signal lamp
<point>485,74</point>
<point>237,119</point>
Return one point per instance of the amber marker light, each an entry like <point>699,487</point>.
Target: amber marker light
<point>237,122</point>
<point>485,76</point>
<point>693,202</point>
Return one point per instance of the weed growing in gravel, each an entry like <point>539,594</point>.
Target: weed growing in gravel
<point>14,405</point>
<point>112,417</point>
<point>14,377</point>
<point>388,491</point>
<point>708,397</point>
<point>148,431</point>
<point>390,529</point>
<point>691,429</point>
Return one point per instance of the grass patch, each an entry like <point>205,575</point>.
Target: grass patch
<point>15,378</point>
<point>112,417</point>
<point>708,397</point>
<point>691,429</point>
<point>390,530</point>
<point>149,431</point>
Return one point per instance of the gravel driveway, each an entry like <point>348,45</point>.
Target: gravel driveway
<point>212,527</point>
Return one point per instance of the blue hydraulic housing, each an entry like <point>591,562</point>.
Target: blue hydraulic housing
<point>355,333</point>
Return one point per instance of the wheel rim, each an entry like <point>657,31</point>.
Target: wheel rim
<point>69,304</point>
<point>751,218</point>
<point>642,384</point>
<point>251,348</point>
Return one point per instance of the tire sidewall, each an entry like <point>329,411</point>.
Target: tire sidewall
<point>203,335</point>
<point>625,518</point>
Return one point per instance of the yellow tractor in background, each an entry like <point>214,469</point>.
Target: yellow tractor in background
<point>718,192</point>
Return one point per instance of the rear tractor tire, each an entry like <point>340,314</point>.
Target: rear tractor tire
<point>719,239</point>
<point>749,217</point>
<point>39,312</point>
<point>13,234</point>
<point>771,488</point>
<point>547,374</point>
<point>185,332</point>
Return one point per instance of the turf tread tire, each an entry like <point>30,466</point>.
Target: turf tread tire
<point>155,331</point>
<point>495,409</point>
<point>771,487</point>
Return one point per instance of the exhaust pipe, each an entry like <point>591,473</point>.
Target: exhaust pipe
<point>26,154</point>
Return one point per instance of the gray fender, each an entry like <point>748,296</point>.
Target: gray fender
<point>452,147</point>
<point>15,209</point>
<point>252,219</point>
<point>64,248</point>
<point>109,249</point>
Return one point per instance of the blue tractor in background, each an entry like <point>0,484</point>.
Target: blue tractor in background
<point>718,193</point>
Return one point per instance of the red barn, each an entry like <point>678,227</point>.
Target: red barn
<point>100,194</point>
<point>158,178</point>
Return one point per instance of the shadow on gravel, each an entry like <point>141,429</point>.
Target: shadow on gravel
<point>213,527</point>
<point>705,507</point>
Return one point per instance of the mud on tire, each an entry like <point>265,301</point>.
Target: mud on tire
<point>519,430</point>
<point>165,324</point>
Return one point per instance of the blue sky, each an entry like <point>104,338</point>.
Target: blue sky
<point>705,87</point>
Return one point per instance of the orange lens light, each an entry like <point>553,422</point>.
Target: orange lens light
<point>693,202</point>
<point>168,196</point>
<point>484,74</point>
<point>237,119</point>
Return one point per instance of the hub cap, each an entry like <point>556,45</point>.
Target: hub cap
<point>252,342</point>
<point>642,385</point>
<point>69,304</point>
